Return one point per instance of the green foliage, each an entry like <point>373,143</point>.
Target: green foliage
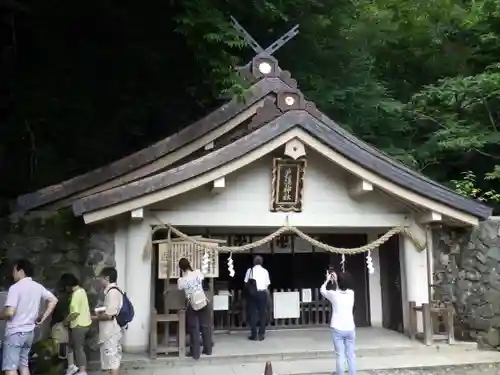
<point>419,80</point>
<point>467,187</point>
<point>456,119</point>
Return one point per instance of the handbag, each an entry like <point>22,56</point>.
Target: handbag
<point>251,285</point>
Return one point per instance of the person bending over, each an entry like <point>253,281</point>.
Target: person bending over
<point>198,311</point>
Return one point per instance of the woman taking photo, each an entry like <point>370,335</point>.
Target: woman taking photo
<point>341,296</point>
<point>78,320</point>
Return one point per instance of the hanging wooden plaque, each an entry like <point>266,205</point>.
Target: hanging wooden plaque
<point>168,258</point>
<point>163,261</point>
<point>288,185</point>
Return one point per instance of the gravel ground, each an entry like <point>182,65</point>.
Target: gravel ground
<point>486,369</point>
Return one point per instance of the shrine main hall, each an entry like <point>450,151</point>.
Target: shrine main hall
<point>269,175</point>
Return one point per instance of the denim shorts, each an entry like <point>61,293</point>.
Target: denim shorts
<point>16,349</point>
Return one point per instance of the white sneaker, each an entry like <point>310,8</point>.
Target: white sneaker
<point>71,370</point>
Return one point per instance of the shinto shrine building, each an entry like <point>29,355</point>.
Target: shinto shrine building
<point>247,169</point>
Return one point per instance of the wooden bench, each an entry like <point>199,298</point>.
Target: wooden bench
<point>433,317</point>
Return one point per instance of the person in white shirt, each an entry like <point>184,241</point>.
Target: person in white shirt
<point>342,323</point>
<point>110,332</point>
<point>257,283</point>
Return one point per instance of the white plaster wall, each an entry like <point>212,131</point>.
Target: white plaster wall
<point>246,201</point>
<point>138,282</point>
<point>121,252</point>
<point>414,279</point>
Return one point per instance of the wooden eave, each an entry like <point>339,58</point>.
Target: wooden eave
<point>305,116</point>
<point>66,189</point>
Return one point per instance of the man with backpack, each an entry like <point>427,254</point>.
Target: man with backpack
<point>113,318</point>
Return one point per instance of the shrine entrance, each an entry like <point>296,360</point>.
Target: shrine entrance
<point>296,270</point>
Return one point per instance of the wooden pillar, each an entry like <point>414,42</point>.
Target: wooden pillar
<point>430,262</point>
<point>166,332</point>
<point>211,287</point>
<point>428,329</point>
<point>412,320</point>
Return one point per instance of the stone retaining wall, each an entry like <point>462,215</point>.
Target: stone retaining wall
<point>467,273</point>
<point>56,243</point>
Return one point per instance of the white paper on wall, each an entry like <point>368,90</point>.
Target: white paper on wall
<point>221,302</point>
<point>286,305</point>
<point>306,295</point>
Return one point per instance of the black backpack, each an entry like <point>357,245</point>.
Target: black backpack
<point>126,313</point>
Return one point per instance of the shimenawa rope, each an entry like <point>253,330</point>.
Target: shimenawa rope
<point>291,229</point>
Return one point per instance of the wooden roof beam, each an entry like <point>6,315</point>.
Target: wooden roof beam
<point>137,214</point>
<point>218,185</point>
<point>361,187</point>
<point>430,217</point>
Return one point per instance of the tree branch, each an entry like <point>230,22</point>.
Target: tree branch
<point>33,158</point>
<point>490,116</point>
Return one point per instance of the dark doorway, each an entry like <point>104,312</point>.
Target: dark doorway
<point>356,266</point>
<point>307,270</point>
<point>287,270</point>
<point>390,283</point>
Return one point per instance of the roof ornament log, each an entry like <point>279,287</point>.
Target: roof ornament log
<point>360,188</point>
<point>430,217</point>
<point>218,185</point>
<point>137,214</point>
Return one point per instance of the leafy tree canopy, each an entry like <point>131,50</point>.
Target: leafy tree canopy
<point>86,82</point>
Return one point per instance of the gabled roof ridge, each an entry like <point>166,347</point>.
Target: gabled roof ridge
<point>325,133</point>
<point>160,180</point>
<point>290,105</point>
<point>259,89</point>
<point>372,149</point>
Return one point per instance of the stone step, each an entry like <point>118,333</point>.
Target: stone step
<point>433,362</point>
<point>136,362</point>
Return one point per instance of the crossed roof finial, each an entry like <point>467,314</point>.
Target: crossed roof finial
<point>276,45</point>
